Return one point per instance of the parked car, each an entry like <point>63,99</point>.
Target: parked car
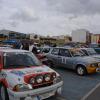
<point>45,50</point>
<point>13,42</point>
<point>97,50</point>
<point>5,47</point>
<point>23,77</point>
<point>73,59</point>
<point>41,56</point>
<point>90,52</point>
<point>96,47</point>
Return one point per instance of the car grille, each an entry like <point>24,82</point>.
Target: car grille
<point>43,85</point>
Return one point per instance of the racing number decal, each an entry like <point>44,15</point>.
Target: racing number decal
<point>63,60</point>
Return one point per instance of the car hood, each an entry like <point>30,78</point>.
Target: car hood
<point>87,59</point>
<point>16,76</point>
<point>96,56</point>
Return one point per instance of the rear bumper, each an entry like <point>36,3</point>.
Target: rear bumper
<point>17,95</point>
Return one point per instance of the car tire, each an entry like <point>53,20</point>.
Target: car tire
<point>3,93</point>
<point>81,70</point>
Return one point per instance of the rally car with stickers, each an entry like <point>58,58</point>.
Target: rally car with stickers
<point>24,77</point>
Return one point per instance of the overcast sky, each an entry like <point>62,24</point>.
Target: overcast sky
<point>50,17</point>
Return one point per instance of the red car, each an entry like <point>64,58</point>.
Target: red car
<point>40,56</point>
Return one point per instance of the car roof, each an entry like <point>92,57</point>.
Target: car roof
<point>86,48</point>
<point>64,47</point>
<point>12,50</point>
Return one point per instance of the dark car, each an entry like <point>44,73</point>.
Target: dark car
<point>96,47</point>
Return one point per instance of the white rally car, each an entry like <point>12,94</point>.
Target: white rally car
<point>23,77</point>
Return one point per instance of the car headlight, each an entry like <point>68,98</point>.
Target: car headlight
<point>39,79</point>
<point>94,65</point>
<point>22,87</point>
<point>47,77</point>
<point>32,80</point>
<point>53,75</point>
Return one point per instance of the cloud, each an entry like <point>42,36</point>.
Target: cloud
<point>75,6</point>
<point>24,15</point>
<point>49,17</point>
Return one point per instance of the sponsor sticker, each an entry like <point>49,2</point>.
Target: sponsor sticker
<point>19,73</point>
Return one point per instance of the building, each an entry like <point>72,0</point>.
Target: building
<point>34,36</point>
<point>7,34</point>
<point>81,35</point>
<point>47,40</point>
<point>62,39</point>
<point>95,38</point>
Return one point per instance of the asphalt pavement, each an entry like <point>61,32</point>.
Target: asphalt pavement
<point>94,94</point>
<point>76,87</point>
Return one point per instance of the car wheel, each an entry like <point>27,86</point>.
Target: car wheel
<point>81,70</point>
<point>3,93</point>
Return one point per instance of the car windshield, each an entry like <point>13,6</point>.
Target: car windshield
<point>46,50</point>
<point>91,52</point>
<point>20,59</point>
<point>76,53</point>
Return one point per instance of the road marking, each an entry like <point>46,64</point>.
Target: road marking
<point>89,93</point>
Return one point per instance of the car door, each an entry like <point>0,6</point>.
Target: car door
<point>65,58</point>
<point>53,56</point>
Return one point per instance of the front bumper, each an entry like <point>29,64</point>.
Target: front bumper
<point>36,92</point>
<point>93,69</point>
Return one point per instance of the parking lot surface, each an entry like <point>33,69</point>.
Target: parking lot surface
<point>75,87</point>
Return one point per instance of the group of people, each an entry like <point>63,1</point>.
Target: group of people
<point>30,47</point>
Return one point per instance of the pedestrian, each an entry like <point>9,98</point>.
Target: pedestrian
<point>25,46</point>
<point>31,47</point>
<point>34,50</point>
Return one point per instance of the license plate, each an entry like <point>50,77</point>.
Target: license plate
<point>47,95</point>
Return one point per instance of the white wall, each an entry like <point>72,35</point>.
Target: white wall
<point>79,35</point>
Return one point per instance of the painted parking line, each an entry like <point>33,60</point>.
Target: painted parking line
<point>93,94</point>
